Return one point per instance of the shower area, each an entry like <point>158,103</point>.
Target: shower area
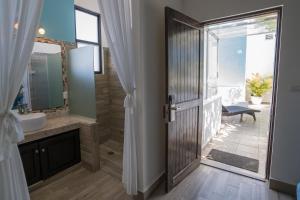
<point>110,117</point>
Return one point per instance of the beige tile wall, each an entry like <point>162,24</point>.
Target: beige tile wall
<point>89,148</point>
<point>109,99</point>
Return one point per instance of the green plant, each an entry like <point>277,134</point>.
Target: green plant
<point>259,85</point>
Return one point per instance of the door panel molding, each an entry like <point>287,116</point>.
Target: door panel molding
<point>184,96</point>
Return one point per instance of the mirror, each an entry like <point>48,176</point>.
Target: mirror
<point>42,87</point>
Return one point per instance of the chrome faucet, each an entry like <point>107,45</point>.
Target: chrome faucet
<point>23,109</point>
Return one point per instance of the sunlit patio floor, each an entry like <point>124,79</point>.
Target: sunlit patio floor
<point>248,138</point>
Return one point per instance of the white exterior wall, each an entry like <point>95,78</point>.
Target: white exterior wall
<point>260,57</point>
<point>212,112</point>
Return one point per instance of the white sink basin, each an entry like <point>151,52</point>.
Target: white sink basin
<point>32,121</point>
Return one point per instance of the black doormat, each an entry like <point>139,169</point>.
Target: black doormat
<point>234,160</point>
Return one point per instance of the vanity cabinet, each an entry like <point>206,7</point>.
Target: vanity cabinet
<point>46,157</point>
<point>31,162</point>
<point>59,153</point>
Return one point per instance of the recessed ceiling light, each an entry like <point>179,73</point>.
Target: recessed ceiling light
<point>41,31</point>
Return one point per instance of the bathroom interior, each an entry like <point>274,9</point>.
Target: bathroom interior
<point>73,133</point>
<point>70,104</point>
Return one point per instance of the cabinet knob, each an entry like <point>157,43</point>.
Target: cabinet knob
<point>36,151</point>
<point>43,150</point>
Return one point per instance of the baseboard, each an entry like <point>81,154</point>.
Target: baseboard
<point>283,187</point>
<point>145,195</point>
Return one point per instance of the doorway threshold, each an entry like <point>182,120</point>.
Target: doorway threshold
<point>233,169</point>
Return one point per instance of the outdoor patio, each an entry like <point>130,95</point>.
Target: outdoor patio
<point>248,138</point>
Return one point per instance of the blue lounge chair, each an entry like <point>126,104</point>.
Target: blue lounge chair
<point>238,110</point>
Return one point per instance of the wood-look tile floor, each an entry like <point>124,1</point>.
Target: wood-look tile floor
<point>205,183</point>
<point>82,184</point>
<point>208,183</point>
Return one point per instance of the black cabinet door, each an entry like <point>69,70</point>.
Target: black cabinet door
<point>31,162</point>
<point>59,152</point>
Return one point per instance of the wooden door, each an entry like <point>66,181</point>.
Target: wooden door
<point>183,96</point>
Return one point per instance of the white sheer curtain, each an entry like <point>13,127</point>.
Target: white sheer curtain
<point>120,30</point>
<point>18,23</point>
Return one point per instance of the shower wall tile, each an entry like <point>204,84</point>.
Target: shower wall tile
<point>103,102</point>
<point>109,97</point>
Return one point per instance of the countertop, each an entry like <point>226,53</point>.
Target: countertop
<point>57,125</point>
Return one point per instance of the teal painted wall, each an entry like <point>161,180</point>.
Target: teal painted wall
<point>58,20</point>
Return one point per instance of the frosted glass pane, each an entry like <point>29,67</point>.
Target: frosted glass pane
<point>86,26</point>
<point>82,99</point>
<point>96,54</point>
<point>55,80</point>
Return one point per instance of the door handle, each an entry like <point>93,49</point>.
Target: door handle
<point>176,108</point>
<point>171,108</point>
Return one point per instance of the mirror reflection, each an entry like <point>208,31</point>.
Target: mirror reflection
<point>42,87</point>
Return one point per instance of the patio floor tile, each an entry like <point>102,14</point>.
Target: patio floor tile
<point>246,138</point>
